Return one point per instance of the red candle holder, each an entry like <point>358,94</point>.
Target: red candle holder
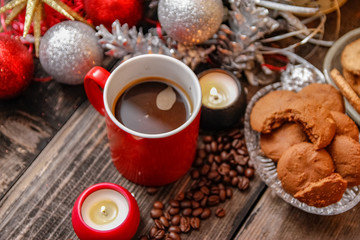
<point>126,218</point>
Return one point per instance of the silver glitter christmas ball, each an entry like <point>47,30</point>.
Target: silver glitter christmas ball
<point>68,50</point>
<point>190,21</point>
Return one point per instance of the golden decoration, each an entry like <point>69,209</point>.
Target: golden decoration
<point>34,9</point>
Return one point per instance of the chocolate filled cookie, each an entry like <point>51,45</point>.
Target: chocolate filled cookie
<point>316,120</point>
<point>301,165</point>
<point>324,192</point>
<point>325,94</point>
<point>274,144</point>
<point>345,125</point>
<point>345,153</point>
<point>263,115</point>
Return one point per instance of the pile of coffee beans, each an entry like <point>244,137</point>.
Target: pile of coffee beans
<point>222,165</point>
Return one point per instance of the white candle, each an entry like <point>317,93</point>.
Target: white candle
<point>104,209</point>
<point>219,90</point>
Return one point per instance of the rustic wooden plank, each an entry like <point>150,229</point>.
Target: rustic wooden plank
<point>28,122</point>
<point>273,218</point>
<point>40,203</point>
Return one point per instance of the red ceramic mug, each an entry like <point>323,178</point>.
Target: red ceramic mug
<point>147,159</point>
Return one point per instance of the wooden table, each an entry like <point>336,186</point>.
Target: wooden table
<point>53,145</point>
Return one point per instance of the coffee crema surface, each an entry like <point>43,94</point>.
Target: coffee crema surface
<point>152,106</point>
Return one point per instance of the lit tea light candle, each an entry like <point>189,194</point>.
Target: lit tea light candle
<point>100,210</point>
<point>223,99</point>
<point>105,211</point>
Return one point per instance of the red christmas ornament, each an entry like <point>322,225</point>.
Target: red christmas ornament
<point>107,11</point>
<point>16,67</point>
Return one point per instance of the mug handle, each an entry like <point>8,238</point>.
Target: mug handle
<point>94,83</point>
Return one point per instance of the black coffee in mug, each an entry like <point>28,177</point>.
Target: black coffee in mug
<point>152,105</point>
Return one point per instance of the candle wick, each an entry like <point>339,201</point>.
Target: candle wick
<point>103,210</point>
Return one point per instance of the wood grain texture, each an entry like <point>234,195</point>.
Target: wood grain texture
<point>273,218</point>
<point>28,122</point>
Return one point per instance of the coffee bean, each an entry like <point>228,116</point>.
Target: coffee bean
<point>249,172</point>
<point>217,159</point>
<point>206,213</point>
<point>158,205</point>
<point>194,185</point>
<point>205,169</point>
<point>232,173</point>
<point>174,229</point>
<point>202,182</point>
<point>175,236</point>
<point>188,195</point>
<point>234,132</point>
<point>224,155</point>
<point>159,234</point>
<point>240,169</point>
<point>174,203</point>
<point>241,160</point>
<point>153,232</point>
<point>243,183</point>
<point>159,224</point>
<point>173,211</point>
<point>214,146</point>
<point>152,190</point>
<point>175,220</point>
<point>180,196</point>
<point>234,181</point>
<point>210,158</point>
<point>195,204</point>
<point>220,147</point>
<point>195,174</point>
<point>195,222</point>
<point>205,190</point>
<point>186,211</point>
<point>198,162</point>
<point>198,195</point>
<point>201,153</point>
<point>215,190</point>
<point>167,215</point>
<point>156,213</point>
<point>212,174</point>
<point>207,138</point>
<point>213,200</point>
<point>208,148</point>
<point>224,169</point>
<point>213,168</point>
<point>164,221</point>
<point>197,212</point>
<point>227,146</point>
<point>143,237</point>
<point>185,204</point>
<point>220,212</point>
<point>185,224</point>
<point>222,195</point>
<point>226,179</point>
<point>203,202</point>
<point>235,142</point>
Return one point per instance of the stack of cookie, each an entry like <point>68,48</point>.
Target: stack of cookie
<point>349,81</point>
<point>314,144</point>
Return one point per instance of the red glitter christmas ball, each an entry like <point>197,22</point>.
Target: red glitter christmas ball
<point>16,67</point>
<point>107,11</point>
